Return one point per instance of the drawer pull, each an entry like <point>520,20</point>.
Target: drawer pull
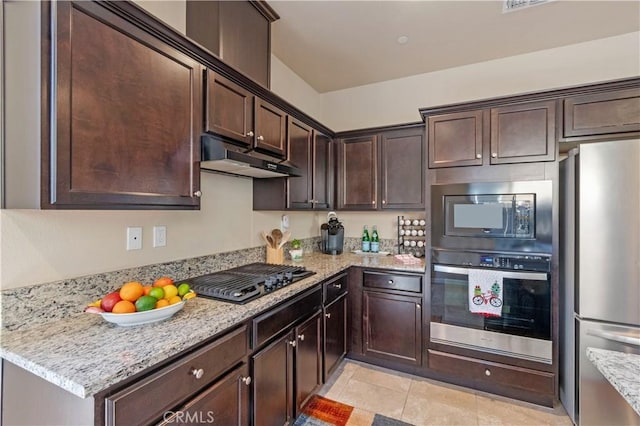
<point>260,138</point>
<point>246,380</point>
<point>301,337</point>
<point>478,156</point>
<point>197,194</point>
<point>328,316</point>
<point>390,282</point>
<point>337,285</point>
<point>418,306</point>
<point>197,372</point>
<point>292,343</point>
<point>487,372</point>
<point>250,133</point>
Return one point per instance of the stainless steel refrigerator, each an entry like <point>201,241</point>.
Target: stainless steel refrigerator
<point>599,274</point>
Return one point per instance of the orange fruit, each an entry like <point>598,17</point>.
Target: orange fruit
<point>162,303</point>
<point>131,291</point>
<point>124,307</point>
<point>170,291</point>
<point>147,289</point>
<point>162,281</point>
<point>174,300</point>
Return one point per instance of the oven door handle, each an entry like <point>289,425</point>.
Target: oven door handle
<point>534,276</point>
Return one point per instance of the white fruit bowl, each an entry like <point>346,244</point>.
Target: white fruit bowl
<point>146,317</point>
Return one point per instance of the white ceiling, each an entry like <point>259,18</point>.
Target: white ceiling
<point>334,45</point>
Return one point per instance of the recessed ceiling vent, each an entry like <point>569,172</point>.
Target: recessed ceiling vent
<point>511,5</point>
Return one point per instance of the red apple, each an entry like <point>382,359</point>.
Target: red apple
<point>110,300</point>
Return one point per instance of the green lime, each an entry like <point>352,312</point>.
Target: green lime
<point>157,292</point>
<point>145,303</point>
<point>183,289</point>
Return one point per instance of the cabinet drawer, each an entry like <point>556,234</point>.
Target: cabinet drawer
<point>273,322</point>
<point>388,281</point>
<point>491,372</point>
<point>147,400</point>
<point>334,288</point>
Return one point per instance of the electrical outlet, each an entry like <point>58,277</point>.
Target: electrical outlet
<point>159,236</point>
<point>134,238</point>
<point>284,223</point>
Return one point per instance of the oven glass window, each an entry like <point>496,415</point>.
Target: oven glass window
<point>492,215</point>
<point>526,309</point>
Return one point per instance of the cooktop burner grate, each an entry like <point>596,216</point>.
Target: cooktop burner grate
<point>247,282</point>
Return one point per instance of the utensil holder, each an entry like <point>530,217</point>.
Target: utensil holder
<point>274,255</point>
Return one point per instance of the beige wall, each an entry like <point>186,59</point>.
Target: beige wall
<point>290,87</point>
<point>398,101</point>
<point>40,246</point>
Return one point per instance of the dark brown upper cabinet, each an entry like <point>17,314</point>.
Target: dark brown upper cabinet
<point>271,128</point>
<point>523,133</point>
<point>238,32</point>
<point>383,169</point>
<point>513,133</point>
<point>229,109</point>
<point>358,173</point>
<point>123,112</point>
<point>402,171</point>
<point>455,139</point>
<point>604,115</point>
<point>310,151</point>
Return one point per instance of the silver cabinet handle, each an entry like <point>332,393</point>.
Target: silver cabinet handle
<point>373,203</point>
<point>246,380</point>
<point>301,337</point>
<point>328,316</point>
<point>197,194</point>
<point>390,282</point>
<point>419,306</point>
<point>260,138</point>
<point>384,201</point>
<point>250,133</point>
<point>337,285</point>
<point>292,343</point>
<point>197,372</point>
<point>487,372</point>
<point>478,156</point>
<point>494,154</point>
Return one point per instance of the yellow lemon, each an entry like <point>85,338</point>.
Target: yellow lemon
<point>170,291</point>
<point>189,295</point>
<point>175,299</point>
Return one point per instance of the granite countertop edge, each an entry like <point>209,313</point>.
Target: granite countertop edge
<point>621,370</point>
<point>84,355</point>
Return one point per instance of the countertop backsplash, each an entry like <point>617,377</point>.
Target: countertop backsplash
<point>55,300</point>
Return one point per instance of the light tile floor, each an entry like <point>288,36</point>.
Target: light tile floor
<point>419,401</point>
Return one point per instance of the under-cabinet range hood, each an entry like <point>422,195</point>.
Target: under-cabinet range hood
<point>221,156</point>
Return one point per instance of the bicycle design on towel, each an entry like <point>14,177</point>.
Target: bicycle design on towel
<point>490,297</point>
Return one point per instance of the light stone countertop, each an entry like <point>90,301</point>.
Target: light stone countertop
<point>622,370</point>
<point>84,354</point>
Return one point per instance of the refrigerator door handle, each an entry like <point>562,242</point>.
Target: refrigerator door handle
<point>615,337</point>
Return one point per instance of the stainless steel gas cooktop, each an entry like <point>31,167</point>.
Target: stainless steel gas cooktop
<point>248,282</point>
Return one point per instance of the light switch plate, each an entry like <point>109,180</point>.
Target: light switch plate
<point>159,236</point>
<point>284,223</point>
<point>134,238</point>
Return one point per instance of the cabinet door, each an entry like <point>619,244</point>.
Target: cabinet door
<point>335,334</point>
<point>271,124</point>
<point>322,171</point>
<point>308,360</point>
<point>126,115</point>
<point>357,173</point>
<point>300,154</point>
<point>229,109</point>
<point>455,139</point>
<point>602,115</point>
<point>393,327</point>
<point>273,382</point>
<point>245,39</point>
<point>403,169</point>
<point>226,402</point>
<point>523,133</point>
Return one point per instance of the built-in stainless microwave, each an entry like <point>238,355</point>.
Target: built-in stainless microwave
<point>511,216</point>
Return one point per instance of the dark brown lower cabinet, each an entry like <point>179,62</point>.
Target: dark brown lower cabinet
<point>335,334</point>
<point>226,402</point>
<point>286,373</point>
<point>392,327</point>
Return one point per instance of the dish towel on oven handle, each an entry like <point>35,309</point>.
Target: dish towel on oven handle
<point>485,292</point>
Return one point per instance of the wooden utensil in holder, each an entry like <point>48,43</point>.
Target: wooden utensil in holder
<point>275,255</point>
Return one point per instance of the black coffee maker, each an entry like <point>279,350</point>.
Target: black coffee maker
<point>332,235</point>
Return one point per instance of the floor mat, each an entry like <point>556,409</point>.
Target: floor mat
<point>320,411</point>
